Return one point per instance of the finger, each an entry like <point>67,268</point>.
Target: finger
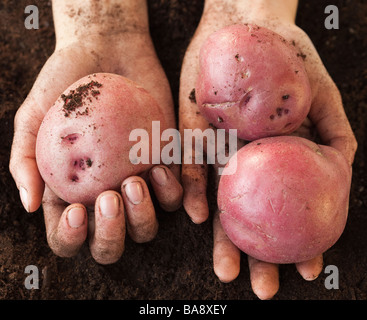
<point>51,81</point>
<point>310,269</point>
<point>328,114</point>
<point>264,278</point>
<point>107,241</point>
<point>23,166</point>
<point>193,174</point>
<point>166,188</point>
<point>194,182</point>
<point>226,256</point>
<point>28,181</point>
<point>66,228</point>
<point>142,223</point>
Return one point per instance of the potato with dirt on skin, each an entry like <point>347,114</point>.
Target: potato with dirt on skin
<point>287,201</point>
<point>83,143</point>
<point>253,80</point>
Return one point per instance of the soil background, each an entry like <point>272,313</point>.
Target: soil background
<point>177,264</point>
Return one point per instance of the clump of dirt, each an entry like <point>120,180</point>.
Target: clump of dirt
<point>75,98</point>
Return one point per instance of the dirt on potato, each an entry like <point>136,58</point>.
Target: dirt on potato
<point>177,264</point>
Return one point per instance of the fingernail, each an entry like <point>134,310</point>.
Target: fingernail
<point>109,205</point>
<point>24,198</point>
<point>75,217</point>
<point>160,176</point>
<point>134,192</point>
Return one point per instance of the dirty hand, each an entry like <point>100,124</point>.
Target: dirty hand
<point>90,38</point>
<point>326,114</point>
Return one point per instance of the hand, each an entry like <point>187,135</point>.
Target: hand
<point>326,114</point>
<point>81,51</point>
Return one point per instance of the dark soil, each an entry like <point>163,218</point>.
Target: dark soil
<point>178,263</point>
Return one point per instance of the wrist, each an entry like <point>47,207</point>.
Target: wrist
<point>99,22</point>
<point>246,11</point>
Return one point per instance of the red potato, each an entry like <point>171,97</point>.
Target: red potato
<point>253,80</point>
<point>287,201</point>
<point>83,142</point>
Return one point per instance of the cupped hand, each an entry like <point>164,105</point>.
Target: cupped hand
<point>326,115</point>
<point>67,225</point>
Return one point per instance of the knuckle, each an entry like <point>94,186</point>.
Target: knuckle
<point>173,202</point>
<point>354,144</point>
<point>107,252</point>
<point>12,167</point>
<point>18,118</point>
<point>59,246</point>
<point>143,230</point>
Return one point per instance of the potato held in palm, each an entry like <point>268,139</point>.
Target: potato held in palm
<point>83,143</point>
<point>287,201</point>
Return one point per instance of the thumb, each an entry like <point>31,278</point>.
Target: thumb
<point>22,165</point>
<point>327,113</point>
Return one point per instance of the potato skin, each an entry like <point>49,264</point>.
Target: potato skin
<point>287,201</point>
<point>83,143</point>
<point>253,80</point>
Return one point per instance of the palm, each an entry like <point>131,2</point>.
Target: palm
<point>66,232</point>
<point>327,115</point>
